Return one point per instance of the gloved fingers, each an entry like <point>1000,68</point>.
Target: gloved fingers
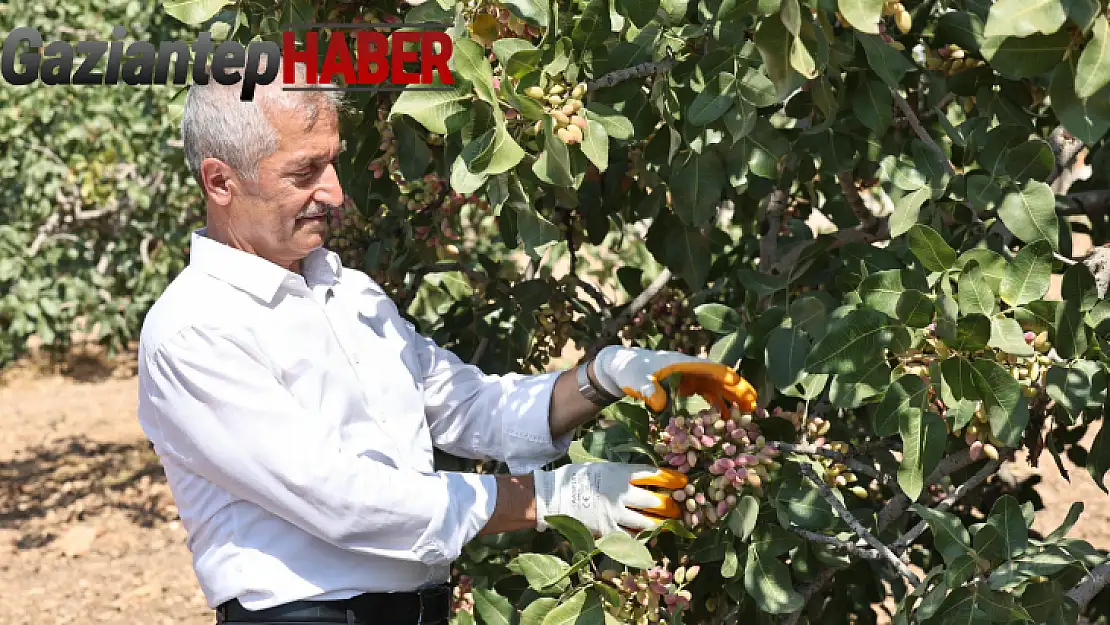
<point>636,521</point>
<point>658,504</point>
<point>724,374</point>
<point>742,394</point>
<point>663,478</point>
<point>651,393</point>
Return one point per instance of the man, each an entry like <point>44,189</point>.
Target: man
<point>295,410</point>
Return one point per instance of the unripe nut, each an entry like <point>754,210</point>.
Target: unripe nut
<point>579,121</point>
<point>534,92</point>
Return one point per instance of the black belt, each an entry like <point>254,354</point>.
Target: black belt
<point>428,605</point>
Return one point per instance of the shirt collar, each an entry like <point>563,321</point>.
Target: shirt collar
<point>254,274</point>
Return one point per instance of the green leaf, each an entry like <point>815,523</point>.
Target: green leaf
<point>570,611</point>
<point>717,318</point>
<point>923,437</point>
<point>1025,57</point>
<point>553,165</point>
<point>799,502</point>
<point>469,59</point>
<point>641,12</point>
<point>774,43</point>
<point>532,11</point>
<point>431,108</point>
<point>1006,335</point>
<point>1093,71</point>
<point>1079,286</point>
<point>544,572</point>
<point>595,145</point>
<point>961,571</point>
<point>1060,532</point>
<point>1071,332</point>
<point>1086,118</point>
<point>616,125</point>
<point>1028,276</point>
<point>491,607</point>
<point>1032,159</point>
<point>949,534</point>
<point>1007,409</point>
<point>872,102</point>
<point>729,349</point>
<point>1021,18</point>
<point>930,248</point>
<point>593,27</point>
<point>626,550</point>
<point>906,398</point>
<point>742,519</point>
<point>885,61</point>
<point>1031,214</point>
<point>960,379</point>
<point>907,210</point>
<point>537,611</point>
<point>696,184</point>
<point>1098,460</point>
<point>1069,386</point>
<point>863,15</point>
<point>914,309</point>
<point>1004,536</point>
<point>768,582</point>
<point>730,566</point>
<point>756,89</point>
<point>973,332</point>
<point>974,294</point>
<point>991,263</point>
<point>194,12</point>
<point>882,290</point>
<point>713,101</point>
<point>852,343</point>
<point>1082,12</point>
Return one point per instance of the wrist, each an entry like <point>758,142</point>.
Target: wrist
<point>599,374</point>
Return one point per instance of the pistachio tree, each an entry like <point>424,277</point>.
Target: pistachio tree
<point>862,205</point>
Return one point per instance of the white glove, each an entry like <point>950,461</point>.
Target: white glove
<point>637,372</point>
<point>602,495</point>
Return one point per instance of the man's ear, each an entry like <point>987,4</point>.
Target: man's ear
<point>218,179</point>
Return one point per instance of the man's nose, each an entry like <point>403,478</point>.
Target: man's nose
<point>329,191</point>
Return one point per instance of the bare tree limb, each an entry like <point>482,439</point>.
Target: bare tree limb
<point>907,539</point>
<point>1066,149</point>
<point>613,326</point>
<point>898,504</point>
<point>859,209</point>
<point>843,545</point>
<point>768,244</point>
<point>858,527</point>
<point>915,123</point>
<point>636,71</point>
<point>1091,584</point>
<point>1098,262</point>
<point>824,577</point>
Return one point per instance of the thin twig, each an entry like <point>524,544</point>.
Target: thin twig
<point>1089,587</point>
<point>480,350</point>
<point>858,527</point>
<point>898,504</point>
<point>810,591</point>
<point>814,450</point>
<point>610,328</point>
<point>843,545</point>
<point>907,539</point>
<point>915,123</point>
<point>851,194</point>
<point>636,71</point>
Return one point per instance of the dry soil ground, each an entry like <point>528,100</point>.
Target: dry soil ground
<point>88,529</point>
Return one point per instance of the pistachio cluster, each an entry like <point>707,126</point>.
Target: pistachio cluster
<point>564,104</point>
<point>490,21</point>
<point>552,332</point>
<point>462,597</point>
<point>729,448</point>
<point>649,593</point>
<point>950,59</point>
<point>814,433</point>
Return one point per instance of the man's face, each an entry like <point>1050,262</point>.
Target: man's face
<point>283,215</point>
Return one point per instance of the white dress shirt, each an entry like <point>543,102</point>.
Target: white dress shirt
<point>296,417</point>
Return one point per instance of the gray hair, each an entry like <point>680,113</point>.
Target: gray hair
<point>216,123</point>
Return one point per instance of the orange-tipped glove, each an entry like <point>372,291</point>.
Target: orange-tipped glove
<point>606,496</point>
<point>638,372</point>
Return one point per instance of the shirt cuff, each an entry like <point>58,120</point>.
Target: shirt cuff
<point>471,499</point>
<point>525,418</point>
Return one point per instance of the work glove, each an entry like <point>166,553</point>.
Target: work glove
<point>638,372</point>
<point>606,496</point>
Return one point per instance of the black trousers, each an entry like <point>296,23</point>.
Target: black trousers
<point>427,606</point>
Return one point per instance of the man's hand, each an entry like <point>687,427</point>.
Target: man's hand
<point>638,373</point>
<point>606,496</point>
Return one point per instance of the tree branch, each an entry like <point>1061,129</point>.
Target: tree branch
<point>824,577</point>
<point>898,504</point>
<point>859,209</point>
<point>1066,149</point>
<point>851,548</point>
<point>636,71</point>
<point>768,245</point>
<point>907,539</point>
<point>915,123</point>
<point>613,326</point>
<point>814,450</point>
<point>1089,587</point>
<point>858,527</point>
